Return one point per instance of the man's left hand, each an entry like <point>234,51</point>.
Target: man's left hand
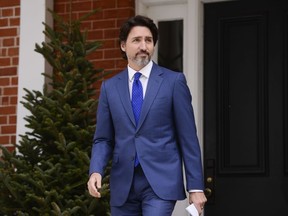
<point>199,199</point>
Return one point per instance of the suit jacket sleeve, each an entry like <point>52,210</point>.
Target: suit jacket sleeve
<point>187,134</point>
<point>103,141</point>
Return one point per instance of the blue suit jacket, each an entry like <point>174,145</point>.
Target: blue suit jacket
<point>164,138</point>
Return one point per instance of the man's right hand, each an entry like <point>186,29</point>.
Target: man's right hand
<point>94,184</point>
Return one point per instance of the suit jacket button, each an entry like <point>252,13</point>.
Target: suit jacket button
<point>132,158</point>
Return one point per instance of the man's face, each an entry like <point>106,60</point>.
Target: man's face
<point>139,47</point>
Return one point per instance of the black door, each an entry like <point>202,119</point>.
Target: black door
<point>245,108</point>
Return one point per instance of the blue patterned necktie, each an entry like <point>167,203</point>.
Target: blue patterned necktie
<point>137,101</point>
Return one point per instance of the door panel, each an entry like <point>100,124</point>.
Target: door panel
<point>242,96</point>
<point>245,108</point>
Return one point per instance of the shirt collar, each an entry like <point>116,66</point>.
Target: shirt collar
<point>145,71</point>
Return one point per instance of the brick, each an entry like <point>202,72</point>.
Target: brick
<point>111,33</point>
<point>3,120</point>
<point>5,101</point>
<point>3,22</point>
<point>118,13</point>
<point>8,42</point>
<point>121,21</point>
<point>66,16</point>
<point>14,21</point>
<point>17,11</point>
<point>60,1</point>
<point>86,25</point>
<point>4,139</point>
<point>13,141</point>
<point>7,110</point>
<point>106,64</point>
<point>10,3</point>
<point>82,6</point>
<point>13,100</point>
<point>98,54</point>
<point>11,129</point>
<point>15,60</point>
<point>97,16</point>
<point>8,71</point>
<point>3,51</point>
<point>104,24</point>
<point>59,7</point>
<point>4,62</point>
<point>14,81</point>
<point>8,32</point>
<point>5,81</point>
<point>127,3</point>
<point>8,12</point>
<point>104,4</point>
<point>95,35</point>
<point>13,51</point>
<point>121,63</point>
<point>12,119</point>
<point>112,53</point>
<point>110,43</point>
<point>10,91</point>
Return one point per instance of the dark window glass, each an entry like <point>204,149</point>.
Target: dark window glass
<point>170,45</point>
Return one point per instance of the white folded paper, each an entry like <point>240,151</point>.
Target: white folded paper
<point>192,210</point>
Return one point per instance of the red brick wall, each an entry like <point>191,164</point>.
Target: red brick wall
<point>9,50</point>
<point>103,26</point>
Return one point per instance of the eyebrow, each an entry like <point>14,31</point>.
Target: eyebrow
<point>150,37</point>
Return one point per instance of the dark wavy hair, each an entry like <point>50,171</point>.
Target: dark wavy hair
<point>137,21</point>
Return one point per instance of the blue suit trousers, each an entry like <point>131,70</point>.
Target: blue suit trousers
<point>142,201</point>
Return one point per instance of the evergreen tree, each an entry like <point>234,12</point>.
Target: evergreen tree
<point>48,172</point>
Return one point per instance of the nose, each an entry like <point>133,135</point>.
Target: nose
<point>143,45</point>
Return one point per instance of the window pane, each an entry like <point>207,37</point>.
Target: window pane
<point>170,47</point>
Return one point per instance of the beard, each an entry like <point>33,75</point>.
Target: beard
<point>141,60</point>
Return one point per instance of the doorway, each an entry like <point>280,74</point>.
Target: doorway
<point>245,108</point>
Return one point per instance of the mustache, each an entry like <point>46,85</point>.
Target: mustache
<point>142,52</point>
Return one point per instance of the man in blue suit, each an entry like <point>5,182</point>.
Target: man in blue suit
<point>149,148</point>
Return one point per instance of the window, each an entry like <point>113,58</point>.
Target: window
<point>170,44</point>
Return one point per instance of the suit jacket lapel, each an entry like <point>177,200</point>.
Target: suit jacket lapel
<point>123,91</point>
<point>153,86</point>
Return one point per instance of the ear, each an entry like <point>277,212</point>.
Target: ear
<point>123,46</point>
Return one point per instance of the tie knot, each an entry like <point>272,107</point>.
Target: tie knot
<point>137,76</point>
